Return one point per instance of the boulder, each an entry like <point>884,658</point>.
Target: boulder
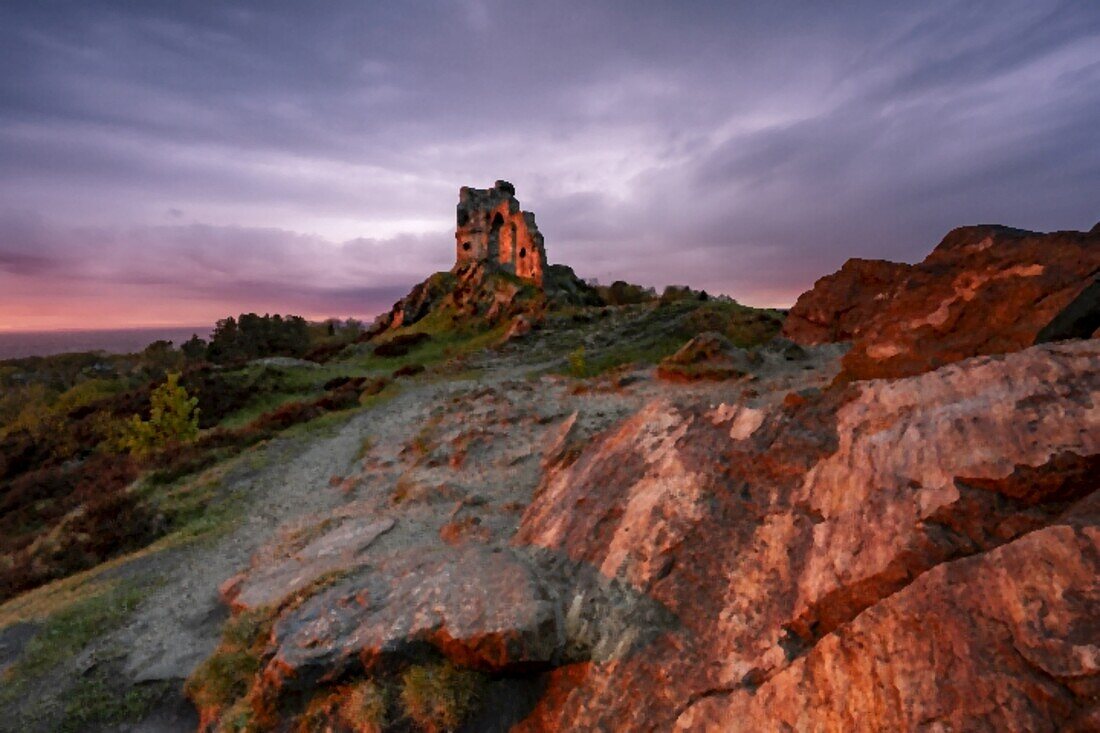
<point>983,290</point>
<point>962,648</point>
<point>520,326</point>
<point>478,607</point>
<point>840,305</point>
<point>707,356</point>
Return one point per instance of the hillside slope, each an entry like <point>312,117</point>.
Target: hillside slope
<point>646,517</point>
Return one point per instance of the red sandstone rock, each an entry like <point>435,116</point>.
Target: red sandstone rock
<point>707,356</point>
<point>1005,641</point>
<point>476,606</point>
<point>839,305</point>
<point>520,326</point>
<point>983,290</point>
<point>915,554</point>
<point>871,559</point>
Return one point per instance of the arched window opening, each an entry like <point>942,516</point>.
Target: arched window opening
<point>494,237</point>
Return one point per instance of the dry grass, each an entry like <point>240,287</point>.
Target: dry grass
<point>439,697</point>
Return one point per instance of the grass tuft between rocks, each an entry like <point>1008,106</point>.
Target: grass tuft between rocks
<point>94,702</point>
<point>440,696</point>
<point>225,677</point>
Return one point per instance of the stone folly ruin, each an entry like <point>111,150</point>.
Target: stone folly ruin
<point>492,230</point>
<point>500,270</point>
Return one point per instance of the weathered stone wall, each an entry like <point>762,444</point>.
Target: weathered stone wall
<point>492,229</point>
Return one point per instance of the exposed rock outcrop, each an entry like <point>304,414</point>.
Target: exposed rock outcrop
<point>983,290</point>
<point>804,548</point>
<point>500,269</point>
<point>787,551</point>
<point>964,647</point>
<point>1080,319</point>
<point>840,305</point>
<point>707,356</point>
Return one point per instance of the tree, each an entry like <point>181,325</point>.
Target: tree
<point>250,336</point>
<point>159,358</point>
<point>194,348</point>
<point>173,419</point>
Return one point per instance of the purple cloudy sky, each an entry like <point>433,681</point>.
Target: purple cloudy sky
<point>172,162</point>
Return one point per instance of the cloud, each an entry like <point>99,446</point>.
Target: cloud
<point>747,149</point>
<point>239,268</point>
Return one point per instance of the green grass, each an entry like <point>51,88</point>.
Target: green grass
<point>226,675</point>
<point>198,505</point>
<point>293,383</point>
<point>94,703</point>
<point>303,383</point>
<point>262,404</point>
<point>447,341</point>
<point>650,352</point>
<point>65,633</point>
<point>654,332</point>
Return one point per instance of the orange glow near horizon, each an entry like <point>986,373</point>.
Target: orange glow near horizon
<point>139,307</point>
<point>77,307</point>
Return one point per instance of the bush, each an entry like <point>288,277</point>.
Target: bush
<point>173,419</point>
<point>745,327</point>
<point>409,370</point>
<point>194,348</point>
<point>577,365</point>
<point>113,521</point>
<point>621,292</point>
<point>676,293</point>
<point>366,704</point>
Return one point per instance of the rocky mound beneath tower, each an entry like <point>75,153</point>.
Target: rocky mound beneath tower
<point>500,270</point>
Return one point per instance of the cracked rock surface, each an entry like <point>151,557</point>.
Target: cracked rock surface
<point>897,555</point>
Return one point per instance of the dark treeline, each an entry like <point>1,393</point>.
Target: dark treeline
<point>251,336</point>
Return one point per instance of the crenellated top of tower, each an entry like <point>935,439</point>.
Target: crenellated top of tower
<point>492,230</point>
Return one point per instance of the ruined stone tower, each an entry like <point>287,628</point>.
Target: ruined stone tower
<point>492,230</point>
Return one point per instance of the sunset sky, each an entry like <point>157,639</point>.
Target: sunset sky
<point>174,162</point>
